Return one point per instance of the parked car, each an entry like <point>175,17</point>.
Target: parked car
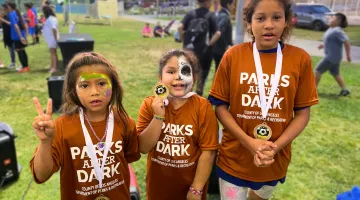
<point>135,10</point>
<point>312,15</point>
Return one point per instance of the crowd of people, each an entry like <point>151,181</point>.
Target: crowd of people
<point>262,93</point>
<point>18,29</point>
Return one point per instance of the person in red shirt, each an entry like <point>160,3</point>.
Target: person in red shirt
<point>263,91</point>
<point>30,21</point>
<point>181,138</point>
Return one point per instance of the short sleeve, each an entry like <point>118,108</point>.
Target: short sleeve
<point>57,150</point>
<point>306,94</point>
<point>342,36</point>
<point>145,116</point>
<point>209,129</point>
<point>186,20</point>
<point>12,19</point>
<point>132,152</point>
<point>220,88</point>
<point>53,23</point>
<point>213,24</point>
<point>222,22</point>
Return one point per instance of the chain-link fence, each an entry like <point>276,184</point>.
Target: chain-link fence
<point>348,7</point>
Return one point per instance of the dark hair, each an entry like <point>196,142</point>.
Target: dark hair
<point>48,11</point>
<point>190,57</point>
<point>342,19</point>
<point>27,5</point>
<point>21,22</point>
<point>224,3</point>
<point>249,10</point>
<point>71,101</point>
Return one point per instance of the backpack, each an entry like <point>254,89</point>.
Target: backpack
<point>196,36</point>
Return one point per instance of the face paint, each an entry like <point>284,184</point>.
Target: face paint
<point>185,73</point>
<point>107,92</point>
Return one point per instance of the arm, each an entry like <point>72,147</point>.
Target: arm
<point>150,135</point>
<point>294,129</point>
<point>347,50</point>
<point>18,32</point>
<point>43,161</point>
<point>55,33</point>
<point>214,38</point>
<point>181,31</point>
<point>5,21</point>
<point>203,170</point>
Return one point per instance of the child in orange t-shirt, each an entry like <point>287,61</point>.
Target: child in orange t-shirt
<point>92,109</point>
<point>181,138</point>
<point>262,91</point>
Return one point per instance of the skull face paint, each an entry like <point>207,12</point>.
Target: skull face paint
<point>185,73</point>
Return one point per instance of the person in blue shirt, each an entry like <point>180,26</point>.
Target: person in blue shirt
<point>18,33</point>
<point>334,39</point>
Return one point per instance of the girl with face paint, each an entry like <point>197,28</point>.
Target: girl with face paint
<point>181,138</point>
<point>94,140</point>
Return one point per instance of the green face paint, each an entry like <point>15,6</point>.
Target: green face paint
<point>86,77</point>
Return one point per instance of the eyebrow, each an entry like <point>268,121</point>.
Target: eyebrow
<point>171,67</point>
<point>261,13</point>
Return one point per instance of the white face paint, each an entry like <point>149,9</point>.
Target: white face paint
<point>185,73</point>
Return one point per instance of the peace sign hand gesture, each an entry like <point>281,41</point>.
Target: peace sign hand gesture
<point>43,123</point>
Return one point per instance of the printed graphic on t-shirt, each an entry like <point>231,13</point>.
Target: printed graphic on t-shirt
<point>111,169</point>
<point>250,100</point>
<point>174,144</point>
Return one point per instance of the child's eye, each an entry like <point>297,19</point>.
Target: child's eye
<point>83,86</point>
<point>277,17</point>
<point>103,83</point>
<point>171,72</point>
<point>260,18</point>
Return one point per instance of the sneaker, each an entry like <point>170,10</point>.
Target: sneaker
<point>25,69</point>
<point>344,92</point>
<point>11,66</point>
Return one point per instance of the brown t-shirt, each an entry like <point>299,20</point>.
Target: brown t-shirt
<point>77,175</point>
<point>186,132</point>
<point>236,83</point>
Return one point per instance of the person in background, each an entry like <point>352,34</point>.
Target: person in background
<point>51,35</point>
<point>334,39</point>
<point>8,43</point>
<point>147,31</point>
<point>158,30</point>
<point>30,19</point>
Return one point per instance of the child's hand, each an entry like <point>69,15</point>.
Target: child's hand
<point>43,123</point>
<point>256,145</point>
<point>191,196</point>
<point>321,46</point>
<point>158,107</point>
<point>264,158</point>
<point>348,58</point>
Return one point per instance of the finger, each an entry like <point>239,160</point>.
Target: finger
<point>258,162</point>
<point>49,107</point>
<point>48,124</point>
<point>268,162</point>
<point>39,110</point>
<point>263,156</point>
<point>35,126</point>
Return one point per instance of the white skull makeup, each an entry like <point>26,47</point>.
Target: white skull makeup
<point>185,73</point>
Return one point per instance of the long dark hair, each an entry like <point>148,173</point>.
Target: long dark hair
<point>48,11</point>
<point>71,102</point>
<point>21,22</point>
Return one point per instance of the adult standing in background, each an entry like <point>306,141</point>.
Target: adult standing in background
<point>225,27</point>
<point>7,35</point>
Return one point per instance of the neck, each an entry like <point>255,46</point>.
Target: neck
<point>96,116</point>
<point>261,47</point>
<point>177,102</point>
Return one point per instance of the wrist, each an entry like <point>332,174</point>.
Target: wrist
<point>46,142</point>
<point>195,191</point>
<point>159,117</point>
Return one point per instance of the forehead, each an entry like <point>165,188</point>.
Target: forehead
<point>174,61</point>
<point>93,71</point>
<point>268,6</point>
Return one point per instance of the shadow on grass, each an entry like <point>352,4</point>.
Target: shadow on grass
<point>329,96</point>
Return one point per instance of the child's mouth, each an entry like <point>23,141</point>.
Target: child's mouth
<point>178,86</point>
<point>269,36</point>
<point>96,102</point>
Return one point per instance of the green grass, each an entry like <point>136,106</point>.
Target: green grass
<point>325,157</point>
<point>179,18</point>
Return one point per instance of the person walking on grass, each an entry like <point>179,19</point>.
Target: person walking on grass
<point>334,39</point>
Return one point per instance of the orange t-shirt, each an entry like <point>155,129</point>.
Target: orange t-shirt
<point>186,132</point>
<point>77,175</point>
<point>236,83</point>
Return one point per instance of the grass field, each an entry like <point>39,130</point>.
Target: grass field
<point>325,158</point>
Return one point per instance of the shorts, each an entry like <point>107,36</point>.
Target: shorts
<point>31,30</point>
<point>325,65</point>
<point>52,44</point>
<point>229,191</point>
<point>19,45</point>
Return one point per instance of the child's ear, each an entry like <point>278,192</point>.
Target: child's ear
<point>248,25</point>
